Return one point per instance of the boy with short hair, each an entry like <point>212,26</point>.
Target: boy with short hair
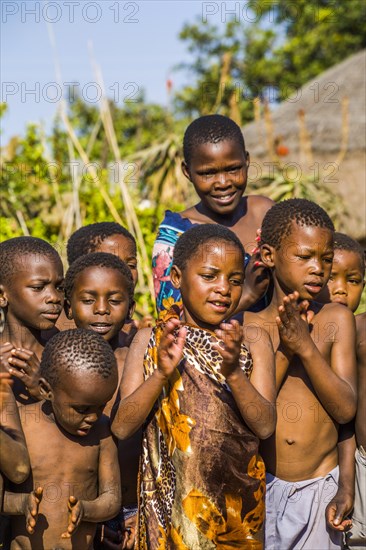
<point>31,296</point>
<point>110,238</point>
<point>72,453</point>
<point>315,376</point>
<point>99,296</point>
<point>345,286</point>
<point>346,281</point>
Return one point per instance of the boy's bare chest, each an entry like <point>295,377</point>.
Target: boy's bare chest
<point>55,457</point>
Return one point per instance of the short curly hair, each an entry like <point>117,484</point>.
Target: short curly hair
<point>98,259</point>
<point>191,240</point>
<point>210,129</point>
<point>88,238</point>
<point>77,350</point>
<point>277,222</point>
<point>13,251</point>
<point>344,242</point>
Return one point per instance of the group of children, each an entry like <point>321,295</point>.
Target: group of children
<point>234,422</point>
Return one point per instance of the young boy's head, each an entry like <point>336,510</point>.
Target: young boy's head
<point>31,282</point>
<point>297,242</point>
<point>216,162</point>
<point>99,294</point>
<point>208,268</point>
<point>107,237</point>
<point>346,281</point>
<point>78,376</point>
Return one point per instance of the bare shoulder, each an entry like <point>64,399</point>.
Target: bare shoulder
<point>261,203</point>
<point>333,312</point>
<point>257,338</point>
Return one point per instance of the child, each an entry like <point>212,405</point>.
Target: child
<point>356,537</point>
<point>201,478</point>
<point>31,296</point>
<point>345,286</point>
<point>107,237</point>
<point>216,162</point>
<point>346,281</point>
<point>315,376</point>
<point>14,459</point>
<point>99,297</point>
<point>73,456</point>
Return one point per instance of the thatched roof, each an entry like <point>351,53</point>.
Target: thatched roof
<point>321,100</point>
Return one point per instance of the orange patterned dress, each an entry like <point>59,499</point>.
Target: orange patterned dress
<point>202,482</point>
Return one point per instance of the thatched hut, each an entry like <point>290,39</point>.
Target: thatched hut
<point>322,126</point>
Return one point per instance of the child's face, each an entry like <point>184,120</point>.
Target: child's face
<point>211,284</point>
<point>100,301</point>
<point>124,248</point>
<point>219,172</point>
<point>35,294</point>
<point>78,400</point>
<point>304,261</point>
<point>346,281</point>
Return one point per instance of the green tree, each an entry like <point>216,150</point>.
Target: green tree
<point>287,44</point>
<point>312,35</point>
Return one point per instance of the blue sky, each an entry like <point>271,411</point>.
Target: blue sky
<point>135,43</point>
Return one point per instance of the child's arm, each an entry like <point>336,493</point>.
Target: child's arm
<point>342,503</point>
<point>23,504</point>
<point>255,397</point>
<point>138,396</point>
<point>361,380</point>
<point>14,459</point>
<point>108,503</point>
<point>335,384</point>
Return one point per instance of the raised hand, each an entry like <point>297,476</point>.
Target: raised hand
<point>170,348</point>
<point>257,276</point>
<point>31,509</point>
<point>24,364</point>
<point>76,514</point>
<point>231,336</point>
<point>293,323</point>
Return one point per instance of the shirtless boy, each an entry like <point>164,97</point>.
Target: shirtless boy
<point>31,296</point>
<point>345,286</point>
<point>99,297</point>
<point>73,456</point>
<point>315,376</point>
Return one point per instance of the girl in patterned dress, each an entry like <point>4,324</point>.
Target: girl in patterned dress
<point>204,391</point>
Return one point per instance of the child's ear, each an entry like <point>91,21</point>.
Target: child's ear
<point>267,255</point>
<point>247,159</point>
<point>3,297</point>
<point>68,310</point>
<point>185,170</point>
<point>45,389</point>
<point>175,276</point>
<point>132,309</point>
